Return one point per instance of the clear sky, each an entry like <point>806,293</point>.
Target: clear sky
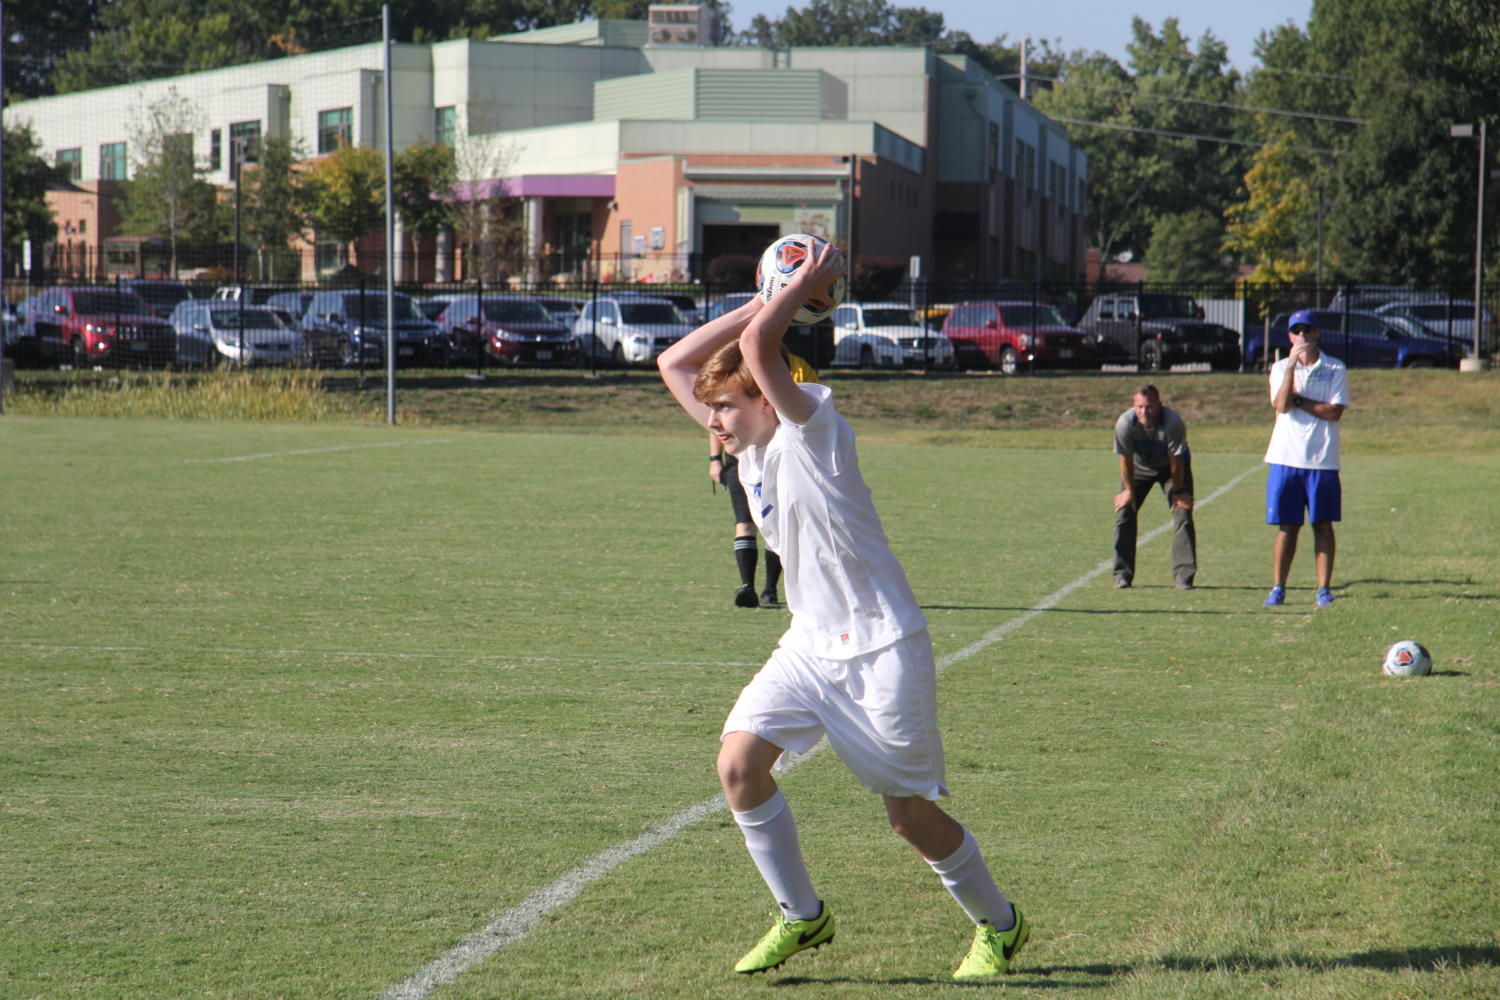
<point>1090,24</point>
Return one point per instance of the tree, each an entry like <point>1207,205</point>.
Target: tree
<point>1392,75</point>
<point>1186,248</point>
<point>166,195</point>
<point>346,194</point>
<point>848,22</point>
<point>143,39</point>
<point>1269,227</point>
<point>423,176</point>
<point>274,203</point>
<point>1139,129</point>
<point>482,212</point>
<point>27,178</point>
<point>38,33</point>
<point>134,40</point>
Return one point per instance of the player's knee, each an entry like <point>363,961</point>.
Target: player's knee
<point>736,770</point>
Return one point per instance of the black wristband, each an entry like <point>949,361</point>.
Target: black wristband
<point>716,458</point>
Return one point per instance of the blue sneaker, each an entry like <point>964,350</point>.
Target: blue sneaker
<point>1276,596</point>
<point>1325,597</point>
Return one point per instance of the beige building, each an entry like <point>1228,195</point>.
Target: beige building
<point>633,152</point>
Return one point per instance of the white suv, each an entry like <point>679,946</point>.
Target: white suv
<point>886,334</point>
<point>629,329</point>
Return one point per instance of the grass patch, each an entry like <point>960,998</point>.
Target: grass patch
<point>291,708</point>
<point>278,394</point>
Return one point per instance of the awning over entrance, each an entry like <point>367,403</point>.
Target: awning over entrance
<point>769,195</point>
<point>540,186</point>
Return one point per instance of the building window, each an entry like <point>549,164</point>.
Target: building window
<point>330,255</point>
<point>70,163</point>
<point>445,126</point>
<point>112,161</point>
<point>83,227</point>
<point>215,148</point>
<point>335,129</point>
<point>244,145</point>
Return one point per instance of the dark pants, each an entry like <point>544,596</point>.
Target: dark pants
<point>1184,536</point>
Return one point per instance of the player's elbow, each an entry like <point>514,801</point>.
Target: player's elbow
<point>1335,412</point>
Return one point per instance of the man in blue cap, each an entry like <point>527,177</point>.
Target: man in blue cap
<point>1309,391</point>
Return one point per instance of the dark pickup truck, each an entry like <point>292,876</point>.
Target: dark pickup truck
<point>1158,330</point>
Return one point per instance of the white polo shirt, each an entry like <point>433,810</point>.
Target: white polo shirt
<point>847,593</point>
<point>1300,439</point>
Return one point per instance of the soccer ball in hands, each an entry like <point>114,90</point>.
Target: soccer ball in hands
<point>780,262</point>
<point>1407,658</point>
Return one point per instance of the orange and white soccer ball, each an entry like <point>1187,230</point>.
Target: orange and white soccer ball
<point>780,261</point>
<point>1407,658</point>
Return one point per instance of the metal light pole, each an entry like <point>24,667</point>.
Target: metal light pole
<point>238,147</point>
<point>1466,131</point>
<point>390,223</point>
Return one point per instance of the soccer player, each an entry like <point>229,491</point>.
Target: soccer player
<point>1309,391</point>
<point>1151,442</point>
<point>856,665</point>
<point>723,468</point>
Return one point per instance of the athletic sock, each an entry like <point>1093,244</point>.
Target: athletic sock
<point>771,837</point>
<point>968,879</point>
<point>773,570</point>
<point>746,553</point>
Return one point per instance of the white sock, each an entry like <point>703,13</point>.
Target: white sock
<point>967,878</point>
<point>771,837</point>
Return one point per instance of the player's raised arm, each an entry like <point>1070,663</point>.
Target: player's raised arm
<point>760,344</point>
<point>679,363</point>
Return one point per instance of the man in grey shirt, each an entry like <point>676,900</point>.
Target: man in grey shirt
<point>1151,442</point>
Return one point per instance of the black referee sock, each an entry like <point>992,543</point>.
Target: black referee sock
<point>773,570</point>
<point>746,554</point>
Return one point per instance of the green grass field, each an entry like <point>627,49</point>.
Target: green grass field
<point>291,709</point>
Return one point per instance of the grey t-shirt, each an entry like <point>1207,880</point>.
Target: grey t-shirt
<point>1152,449</point>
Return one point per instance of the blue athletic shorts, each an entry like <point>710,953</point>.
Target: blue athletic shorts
<point>1289,490</point>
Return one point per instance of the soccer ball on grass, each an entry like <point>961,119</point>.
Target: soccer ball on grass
<point>780,262</point>
<point>1407,658</point>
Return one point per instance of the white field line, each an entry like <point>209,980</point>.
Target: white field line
<point>309,451</point>
<point>518,921</point>
<point>357,654</point>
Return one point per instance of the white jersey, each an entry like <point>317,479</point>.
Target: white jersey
<point>844,587</point>
<point>1300,439</point>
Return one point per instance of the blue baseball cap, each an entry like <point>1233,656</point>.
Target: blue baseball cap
<point>1302,317</point>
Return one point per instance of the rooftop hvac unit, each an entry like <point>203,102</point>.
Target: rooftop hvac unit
<point>686,24</point>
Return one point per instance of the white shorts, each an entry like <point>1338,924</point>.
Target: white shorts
<point>879,712</point>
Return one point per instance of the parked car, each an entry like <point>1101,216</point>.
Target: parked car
<point>356,323</point>
<point>291,304</point>
<point>20,342</point>
<point>561,307</point>
<point>89,326</point>
<point>1158,330</point>
<point>432,306</point>
<point>160,294</point>
<point>1017,336</point>
<point>632,329</point>
<point>210,332</point>
<point>1449,319</point>
<point>1372,341</point>
<point>1368,298</point>
<point>812,342</point>
<point>255,295</point>
<point>513,329</point>
<point>685,303</point>
<point>870,334</point>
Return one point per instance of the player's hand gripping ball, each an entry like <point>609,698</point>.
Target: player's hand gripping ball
<point>780,262</point>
